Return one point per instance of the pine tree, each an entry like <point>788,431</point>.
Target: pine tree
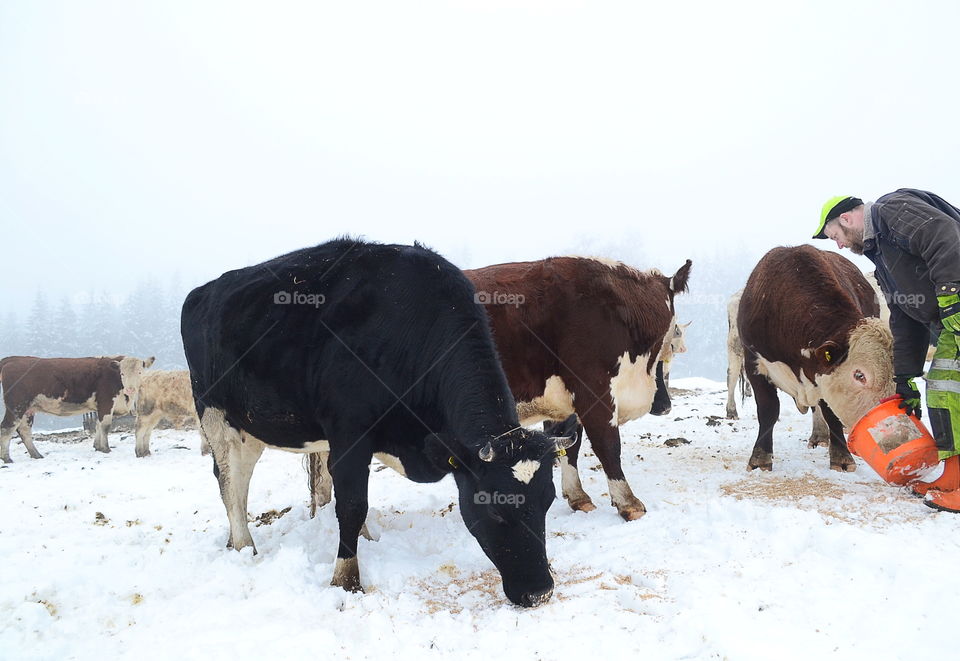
<point>40,339</point>
<point>66,329</point>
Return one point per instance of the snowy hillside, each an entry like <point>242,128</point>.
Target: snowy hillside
<point>109,556</point>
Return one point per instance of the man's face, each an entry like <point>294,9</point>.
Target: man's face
<point>847,231</point>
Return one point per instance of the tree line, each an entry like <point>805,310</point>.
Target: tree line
<point>144,323</point>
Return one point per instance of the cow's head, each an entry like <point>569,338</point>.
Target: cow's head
<point>506,488</point>
<point>854,380</point>
<point>678,342</point>
<point>131,372</point>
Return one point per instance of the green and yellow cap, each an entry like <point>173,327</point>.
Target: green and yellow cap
<point>832,208</point>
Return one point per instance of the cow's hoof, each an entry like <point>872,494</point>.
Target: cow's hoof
<point>817,442</point>
<point>240,547</point>
<point>102,449</point>
<point>7,460</point>
<point>142,454</point>
<point>760,459</point>
<point>732,416</point>
<point>36,455</point>
<point>764,466</point>
<point>582,505</point>
<point>846,467</point>
<point>632,513</point>
<point>346,575</point>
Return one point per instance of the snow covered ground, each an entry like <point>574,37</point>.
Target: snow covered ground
<point>110,556</point>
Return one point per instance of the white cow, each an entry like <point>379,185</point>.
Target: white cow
<point>165,395</point>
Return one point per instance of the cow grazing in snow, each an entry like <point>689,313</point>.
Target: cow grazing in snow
<point>164,395</point>
<point>64,387</point>
<point>808,324</point>
<point>361,349</point>
<point>583,336</point>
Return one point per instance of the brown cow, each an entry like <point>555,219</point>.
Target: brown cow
<point>66,386</point>
<point>165,395</point>
<point>584,336</point>
<point>808,323</point>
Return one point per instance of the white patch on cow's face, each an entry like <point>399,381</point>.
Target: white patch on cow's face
<point>854,386</point>
<point>556,403</point>
<point>391,462</point>
<point>525,470</point>
<point>865,376</point>
<point>632,389</point>
<point>131,372</point>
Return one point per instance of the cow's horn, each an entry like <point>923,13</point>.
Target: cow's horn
<point>563,442</point>
<point>486,452</point>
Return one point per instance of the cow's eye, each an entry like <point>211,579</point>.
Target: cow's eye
<point>859,376</point>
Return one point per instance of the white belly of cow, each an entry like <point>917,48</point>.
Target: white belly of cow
<point>632,389</point>
<point>308,448</point>
<point>55,406</point>
<point>556,403</point>
<point>803,391</point>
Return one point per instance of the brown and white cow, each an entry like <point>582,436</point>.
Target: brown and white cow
<point>584,336</point>
<point>165,395</point>
<point>63,387</point>
<point>808,324</point>
<point>736,376</point>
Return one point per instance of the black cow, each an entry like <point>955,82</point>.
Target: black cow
<point>362,348</point>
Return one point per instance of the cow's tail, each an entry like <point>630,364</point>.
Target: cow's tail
<point>311,463</point>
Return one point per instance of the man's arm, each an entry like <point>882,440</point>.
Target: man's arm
<point>910,341</point>
<point>935,237</point>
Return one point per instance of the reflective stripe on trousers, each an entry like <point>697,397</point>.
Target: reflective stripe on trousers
<point>943,395</point>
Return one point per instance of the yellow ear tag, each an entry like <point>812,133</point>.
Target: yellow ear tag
<point>827,354</point>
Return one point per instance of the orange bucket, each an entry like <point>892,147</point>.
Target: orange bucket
<point>895,444</point>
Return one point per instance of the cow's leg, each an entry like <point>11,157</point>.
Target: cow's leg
<point>25,429</point>
<point>572,488</point>
<point>768,411</point>
<point>235,456</point>
<point>7,428</point>
<point>319,481</point>
<point>351,476</point>
<point>820,434</point>
<point>661,398</point>
<point>145,426</point>
<point>605,441</point>
<point>840,457</point>
<point>100,443</point>
<point>734,373</point>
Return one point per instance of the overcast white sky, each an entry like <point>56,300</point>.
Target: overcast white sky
<point>146,138</point>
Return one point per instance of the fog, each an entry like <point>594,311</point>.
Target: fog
<point>148,147</point>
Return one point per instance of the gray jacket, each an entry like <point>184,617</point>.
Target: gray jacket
<point>913,238</point>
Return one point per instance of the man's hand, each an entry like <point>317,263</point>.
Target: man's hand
<point>948,298</point>
<point>908,392</point>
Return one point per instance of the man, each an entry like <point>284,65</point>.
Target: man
<point>913,238</point>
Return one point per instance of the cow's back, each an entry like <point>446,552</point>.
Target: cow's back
<point>283,346</point>
<point>800,297</point>
<point>548,315</point>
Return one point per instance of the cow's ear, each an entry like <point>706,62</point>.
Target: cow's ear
<point>149,361</point>
<point>439,455</point>
<point>681,278</point>
<point>828,355</point>
<point>115,366</point>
